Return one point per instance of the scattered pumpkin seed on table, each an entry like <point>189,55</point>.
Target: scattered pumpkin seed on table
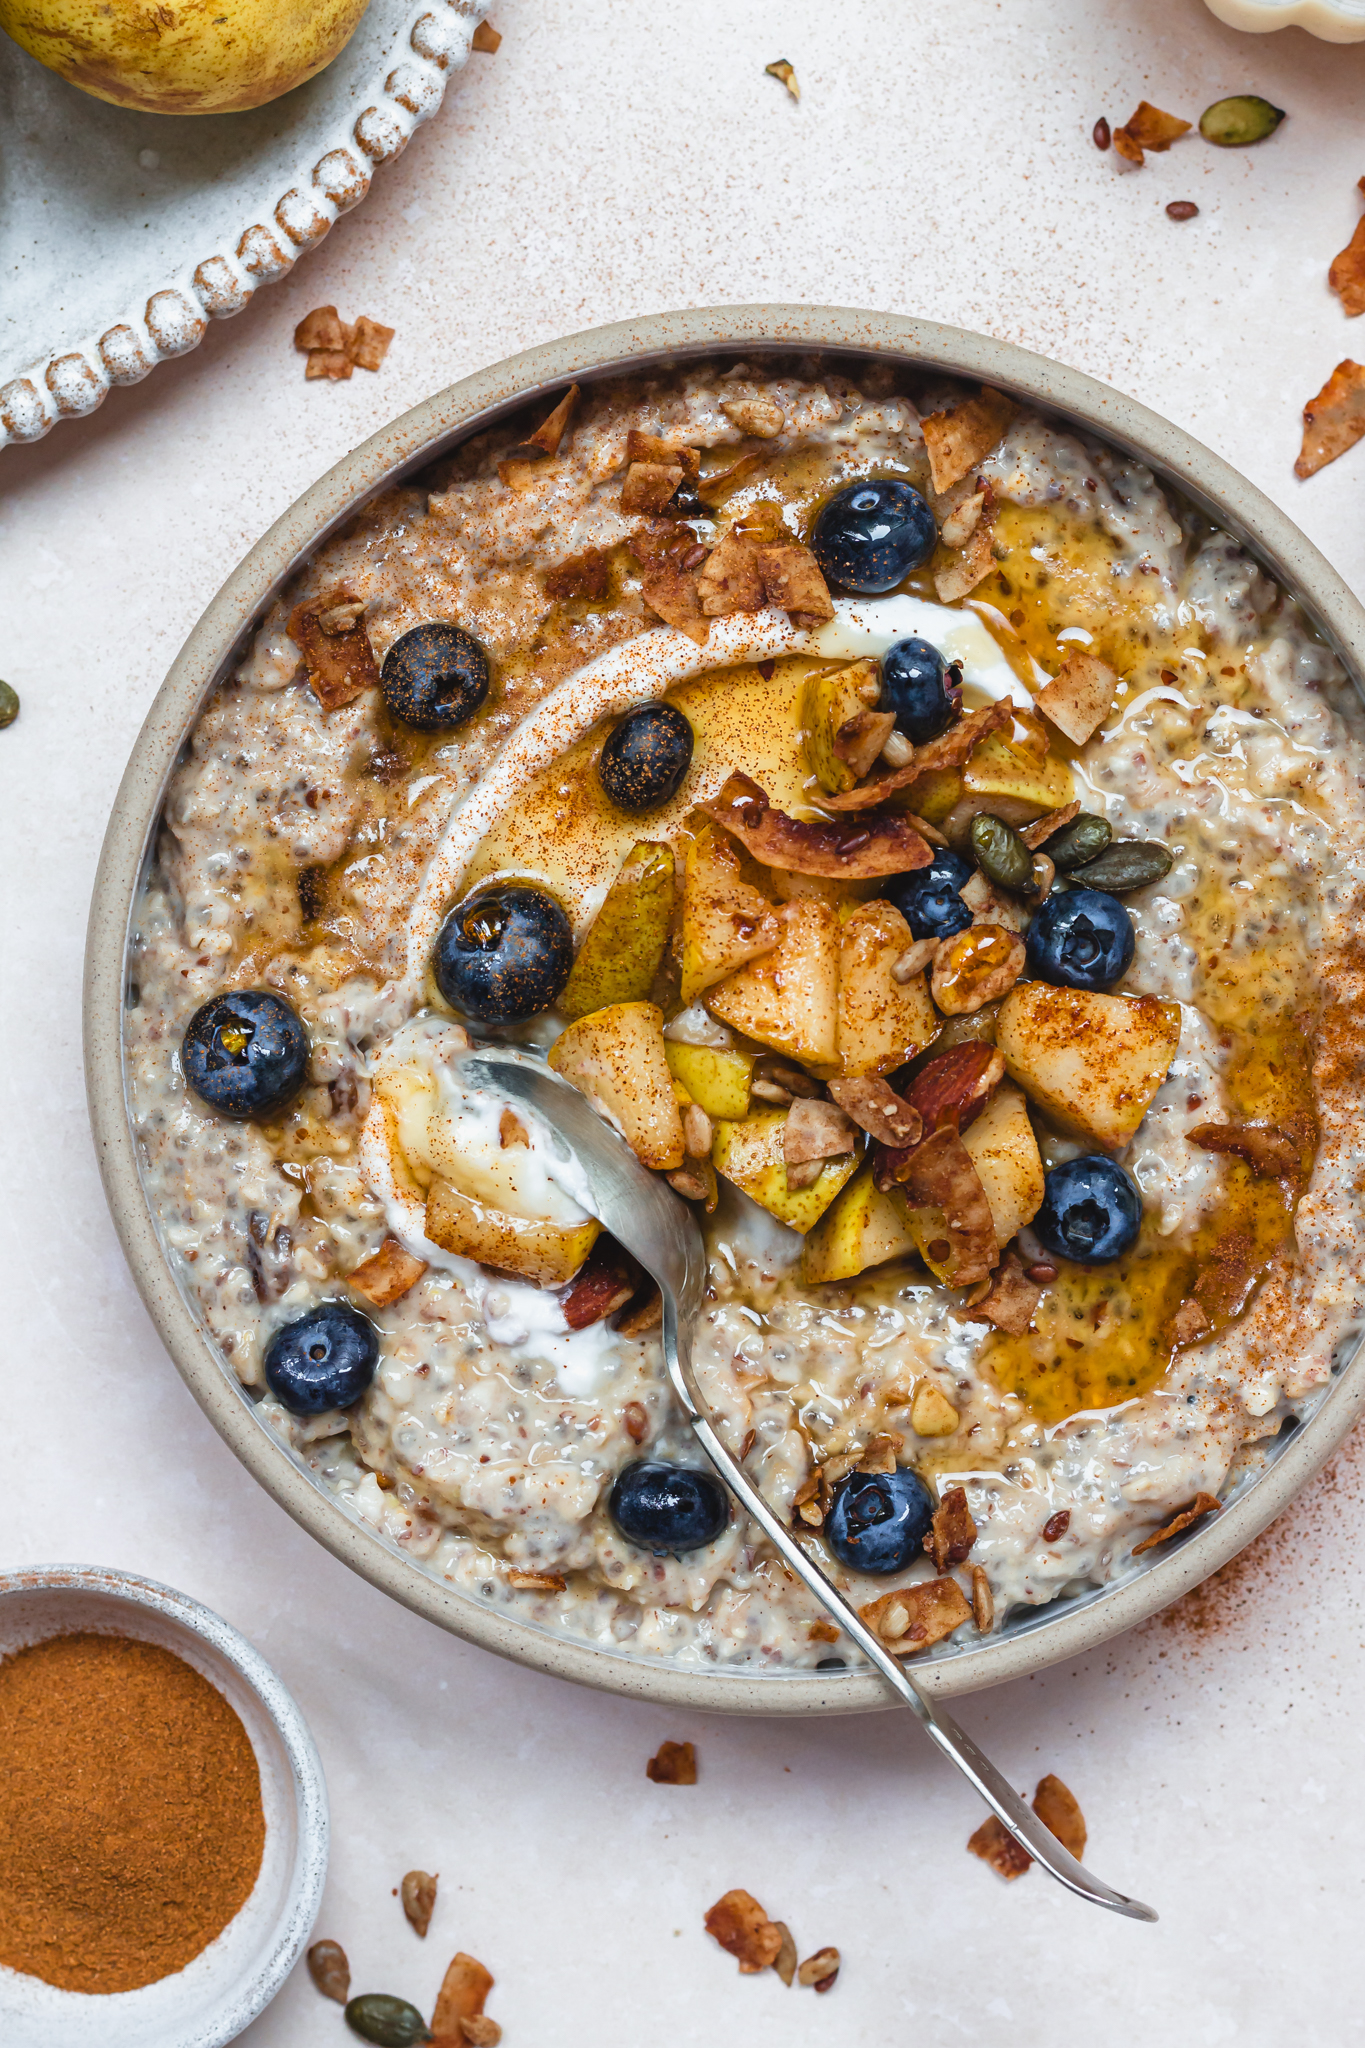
<point>1131,864</point>
<point>1000,853</point>
<point>1243,119</point>
<point>9,704</point>
<point>388,2022</point>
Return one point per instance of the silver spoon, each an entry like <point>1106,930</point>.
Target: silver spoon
<point>644,1215</point>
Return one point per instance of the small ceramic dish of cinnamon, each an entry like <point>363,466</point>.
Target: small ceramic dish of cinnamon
<point>163,1820</point>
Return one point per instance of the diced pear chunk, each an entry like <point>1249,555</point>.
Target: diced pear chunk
<point>1092,1061</point>
<point>1018,769</point>
<point>725,920</point>
<point>616,1058</point>
<point>750,1155</point>
<point>790,998</point>
<point>882,1022</point>
<point>715,1078</point>
<point>624,945</point>
<point>861,1228</point>
<point>1004,1151</point>
<point>548,1253</point>
<point>828,702</point>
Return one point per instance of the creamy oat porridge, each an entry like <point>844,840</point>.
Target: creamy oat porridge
<point>935,849</point>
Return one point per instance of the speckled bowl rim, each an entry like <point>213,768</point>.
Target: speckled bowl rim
<point>1067,1629</point>
<point>303,1900</point>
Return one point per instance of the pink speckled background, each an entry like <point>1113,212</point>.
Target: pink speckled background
<point>615,159</point>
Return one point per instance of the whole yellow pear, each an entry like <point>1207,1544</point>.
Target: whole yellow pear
<point>183,56</point>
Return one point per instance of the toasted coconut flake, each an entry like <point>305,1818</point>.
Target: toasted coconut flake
<point>962,522</point>
<point>536,1582</point>
<point>607,1282</point>
<point>819,1970</point>
<point>729,580</point>
<point>648,1315</point>
<point>1042,829</point>
<point>418,1893</point>
<point>995,1845</point>
<point>333,363</point>
<point>958,440</point>
<point>368,343</point>
<point>1012,1299</point>
<point>876,1108</point>
<point>983,1601</point>
<point>1188,1324</point>
<point>976,967</point>
<point>1202,1504</point>
<point>1147,129</point>
<point>1346,276</point>
<point>860,739</point>
<point>939,1174</point>
<point>915,1617</point>
<point>1333,421</point>
<point>977,558</point>
<point>931,1412</point>
<point>879,1453</point>
<point>782,69</point>
<point>512,1131</point>
<point>952,1531</point>
<point>673,1763</point>
<point>792,581</point>
<point>387,1275</point>
<point>550,432</point>
<point>1080,696</point>
<point>1059,1810</point>
<point>784,1962</point>
<point>653,448</point>
<point>866,846</point>
<point>585,575</point>
<point>321,328</point>
<point>713,490</point>
<point>817,1131</point>
<point>486,39</point>
<point>1272,1154</point>
<point>950,750</point>
<point>649,486</point>
<point>955,1086</point>
<point>668,586</point>
<point>464,1989</point>
<point>741,1926</point>
<point>340,665</point>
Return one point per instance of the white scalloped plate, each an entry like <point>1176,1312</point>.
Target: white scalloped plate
<point>1332,21</point>
<point>123,234</point>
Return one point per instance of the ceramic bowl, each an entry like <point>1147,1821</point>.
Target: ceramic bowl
<point>236,1976</point>
<point>1027,1641</point>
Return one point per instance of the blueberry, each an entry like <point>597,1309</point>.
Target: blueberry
<point>1080,938</point>
<point>435,676</point>
<point>667,1508</point>
<point>919,686</point>
<point>644,761</point>
<point>504,955</point>
<point>928,898</point>
<point>1091,1211</point>
<point>870,536</point>
<point>325,1360</point>
<point>246,1053</point>
<point>878,1522</point>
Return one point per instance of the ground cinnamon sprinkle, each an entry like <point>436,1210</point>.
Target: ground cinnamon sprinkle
<point>131,1826</point>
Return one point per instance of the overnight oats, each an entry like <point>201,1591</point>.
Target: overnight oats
<point>936,850</point>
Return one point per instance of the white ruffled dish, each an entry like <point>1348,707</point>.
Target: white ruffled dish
<point>123,234</point>
<point>1332,21</point>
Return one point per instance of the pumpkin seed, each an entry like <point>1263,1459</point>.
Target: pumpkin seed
<point>1000,853</point>
<point>1234,123</point>
<point>9,704</point>
<point>390,2022</point>
<point>1085,838</point>
<point>1131,864</point>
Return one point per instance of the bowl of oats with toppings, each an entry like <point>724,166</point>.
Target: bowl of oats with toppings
<point>915,794</point>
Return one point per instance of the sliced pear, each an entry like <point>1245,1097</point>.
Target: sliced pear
<point>882,1022</point>
<point>750,1155</point>
<point>1004,1151</point>
<point>716,1079</point>
<point>790,998</point>
<point>548,1253</point>
<point>935,794</point>
<point>1092,1061</point>
<point>1018,767</point>
<point>624,945</point>
<point>726,921</point>
<point>861,1228</point>
<point>616,1058</point>
<point>827,704</point>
